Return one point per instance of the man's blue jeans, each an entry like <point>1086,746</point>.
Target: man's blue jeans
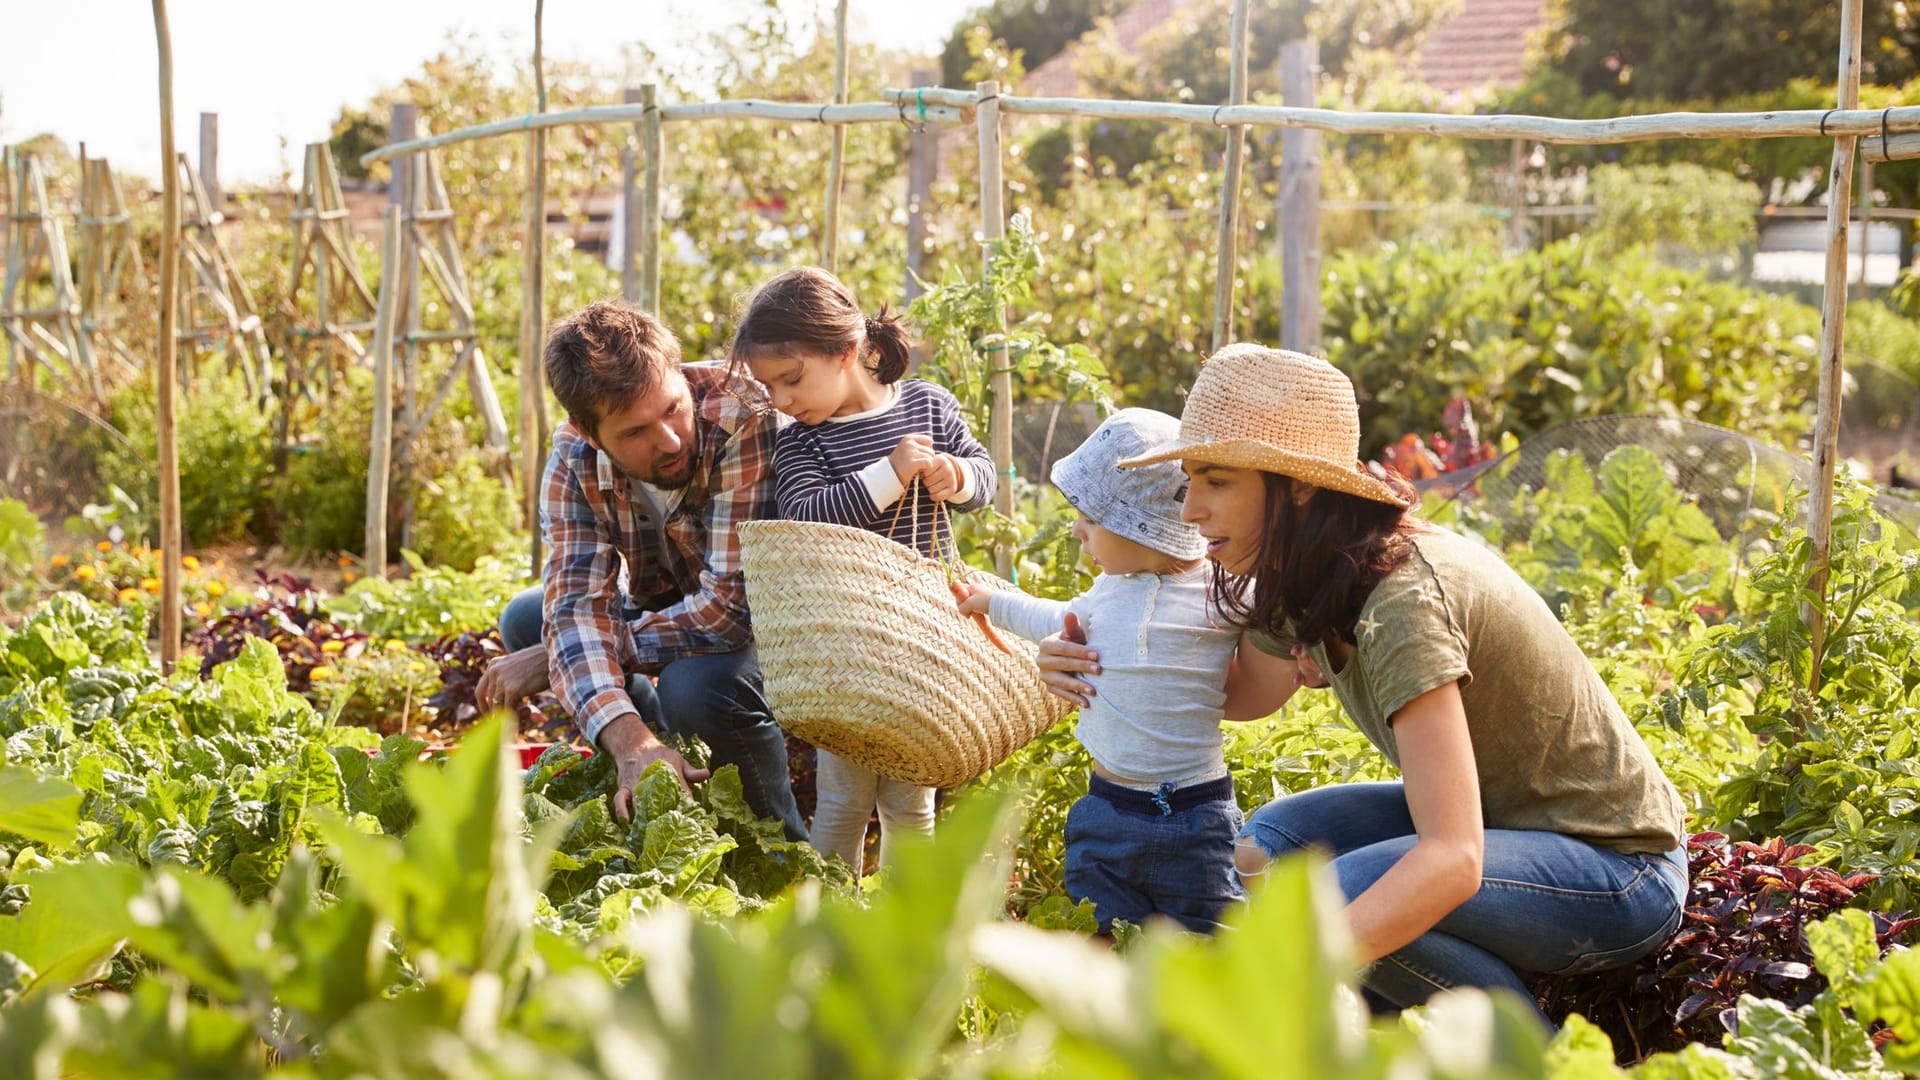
<point>716,697</point>
<point>1547,903</point>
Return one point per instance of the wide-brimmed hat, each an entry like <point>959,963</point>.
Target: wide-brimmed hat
<point>1253,407</point>
<point>1141,505</point>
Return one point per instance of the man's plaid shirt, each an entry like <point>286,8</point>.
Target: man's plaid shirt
<point>605,557</point>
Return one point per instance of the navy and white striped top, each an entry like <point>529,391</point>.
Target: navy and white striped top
<point>837,471</point>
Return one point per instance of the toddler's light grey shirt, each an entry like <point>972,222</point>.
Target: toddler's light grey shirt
<point>1163,670</point>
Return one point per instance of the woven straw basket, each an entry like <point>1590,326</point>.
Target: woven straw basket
<point>863,653</point>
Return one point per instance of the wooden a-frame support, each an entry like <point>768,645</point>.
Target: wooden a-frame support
<point>42,325</point>
<point>216,308</point>
<point>323,254</point>
<point>109,257</point>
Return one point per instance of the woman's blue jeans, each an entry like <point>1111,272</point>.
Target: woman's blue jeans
<point>1547,904</point>
<point>717,697</point>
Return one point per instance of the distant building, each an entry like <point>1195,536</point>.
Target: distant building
<point>1483,44</point>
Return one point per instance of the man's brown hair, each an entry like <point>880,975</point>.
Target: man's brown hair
<point>605,357</point>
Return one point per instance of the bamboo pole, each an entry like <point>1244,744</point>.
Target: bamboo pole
<point>655,147</point>
<point>630,208</point>
<point>837,160</point>
<point>1299,205</point>
<point>1833,319</point>
<point>166,372</point>
<point>380,463</point>
<point>1228,243</point>
<point>533,419</point>
<point>753,109</point>
<point>1653,126</point>
<point>993,229</point>
<point>949,106</point>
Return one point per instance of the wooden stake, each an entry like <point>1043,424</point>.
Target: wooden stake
<point>1833,319</point>
<point>1299,204</point>
<point>1229,237</point>
<point>993,229</point>
<point>380,459</point>
<point>210,162</point>
<point>165,373</point>
<point>654,145</point>
<point>533,318</point>
<point>836,162</point>
<point>406,345</point>
<point>630,208</point>
<point>923,165</point>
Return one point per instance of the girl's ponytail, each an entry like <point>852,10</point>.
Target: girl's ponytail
<point>892,346</point>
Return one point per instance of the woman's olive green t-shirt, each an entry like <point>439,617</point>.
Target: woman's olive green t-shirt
<point>1552,747</point>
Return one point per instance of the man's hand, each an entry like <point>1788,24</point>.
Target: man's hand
<point>1064,658</point>
<point>944,478</point>
<point>633,748</point>
<point>911,457</point>
<point>511,678</point>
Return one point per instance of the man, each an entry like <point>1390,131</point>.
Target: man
<point>654,467</point>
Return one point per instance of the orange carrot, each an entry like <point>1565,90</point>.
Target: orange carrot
<point>960,594</point>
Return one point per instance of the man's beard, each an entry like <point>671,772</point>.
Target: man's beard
<point>679,478</point>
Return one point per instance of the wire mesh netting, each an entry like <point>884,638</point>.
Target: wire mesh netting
<point>1744,486</point>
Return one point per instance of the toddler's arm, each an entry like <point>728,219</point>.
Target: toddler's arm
<point>1029,616</point>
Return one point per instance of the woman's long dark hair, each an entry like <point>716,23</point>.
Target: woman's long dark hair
<point>1316,565</point>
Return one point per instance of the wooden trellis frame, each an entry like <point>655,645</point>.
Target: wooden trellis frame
<point>323,254</point>
<point>110,264</point>
<point>216,307</point>
<point>41,326</point>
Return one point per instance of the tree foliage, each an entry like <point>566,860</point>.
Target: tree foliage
<point>1719,48</point>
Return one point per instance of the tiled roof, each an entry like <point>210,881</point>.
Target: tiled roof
<point>1484,44</point>
<point>1056,77</point>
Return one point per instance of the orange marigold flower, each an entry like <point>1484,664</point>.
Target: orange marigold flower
<point>335,645</point>
<point>151,584</point>
<point>321,673</point>
<point>85,571</point>
<point>104,545</point>
<point>189,562</point>
<point>59,560</point>
<point>128,596</point>
<point>214,588</point>
<point>203,609</point>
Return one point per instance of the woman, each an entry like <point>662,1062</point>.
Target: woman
<point>1531,830</point>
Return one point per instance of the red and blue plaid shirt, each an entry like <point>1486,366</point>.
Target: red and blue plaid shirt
<point>606,557</point>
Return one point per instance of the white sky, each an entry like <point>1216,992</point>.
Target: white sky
<point>87,69</point>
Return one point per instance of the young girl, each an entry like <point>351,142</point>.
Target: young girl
<point>1531,829</point>
<point>861,439</point>
<point>1154,833</point>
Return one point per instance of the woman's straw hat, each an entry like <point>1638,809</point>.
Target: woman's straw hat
<point>1258,408</point>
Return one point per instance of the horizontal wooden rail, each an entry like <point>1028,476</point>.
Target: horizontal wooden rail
<point>867,112</point>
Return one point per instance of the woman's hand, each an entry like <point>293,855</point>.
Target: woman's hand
<point>1311,676</point>
<point>1064,661</point>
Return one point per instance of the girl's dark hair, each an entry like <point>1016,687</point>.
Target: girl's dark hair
<point>808,311</point>
<point>1316,565</point>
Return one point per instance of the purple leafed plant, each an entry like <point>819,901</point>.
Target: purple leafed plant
<point>1744,932</point>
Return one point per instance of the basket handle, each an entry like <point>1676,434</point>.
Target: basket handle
<point>946,554</point>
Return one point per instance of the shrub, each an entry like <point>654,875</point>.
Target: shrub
<point>223,442</point>
<point>464,515</point>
